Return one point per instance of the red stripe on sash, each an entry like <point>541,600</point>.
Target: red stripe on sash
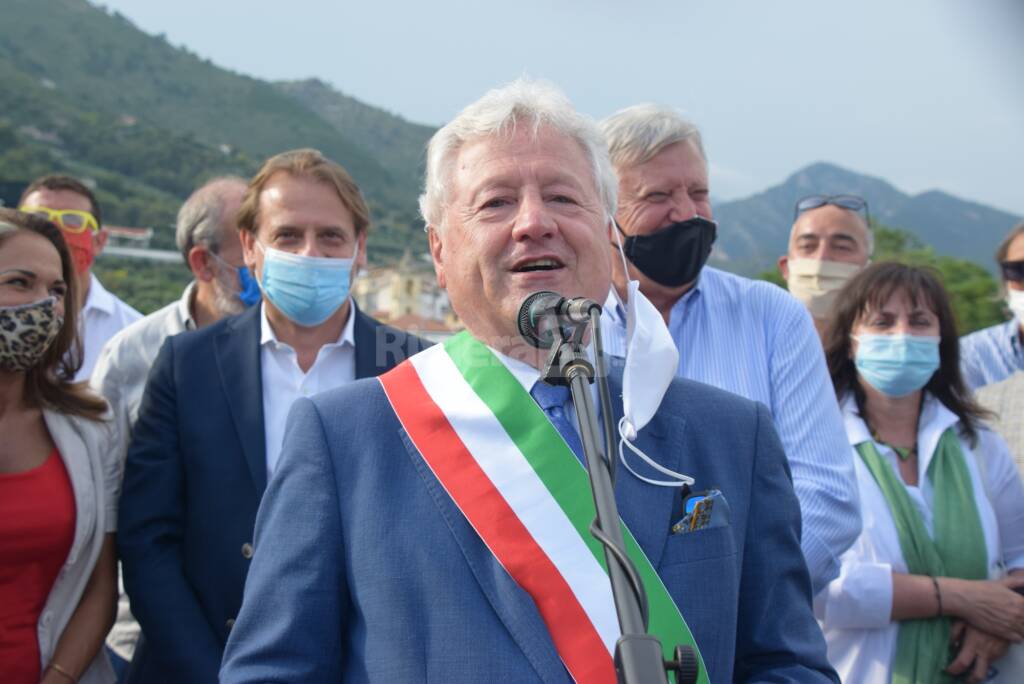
<point>575,638</point>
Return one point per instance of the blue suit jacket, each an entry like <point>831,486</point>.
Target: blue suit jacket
<point>366,571</point>
<point>195,473</point>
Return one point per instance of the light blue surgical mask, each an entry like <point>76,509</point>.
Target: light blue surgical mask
<point>897,365</point>
<point>306,289</point>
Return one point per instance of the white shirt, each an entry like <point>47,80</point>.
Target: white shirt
<point>284,381</point>
<point>103,316</point>
<point>854,610</point>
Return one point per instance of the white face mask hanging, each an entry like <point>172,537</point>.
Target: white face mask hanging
<point>651,363</point>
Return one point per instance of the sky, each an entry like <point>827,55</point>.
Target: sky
<point>927,94</point>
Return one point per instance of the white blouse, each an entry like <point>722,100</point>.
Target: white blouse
<point>854,610</point>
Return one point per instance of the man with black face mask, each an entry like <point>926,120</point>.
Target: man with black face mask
<point>744,336</point>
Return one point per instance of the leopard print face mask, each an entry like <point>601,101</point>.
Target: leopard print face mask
<point>26,332</point>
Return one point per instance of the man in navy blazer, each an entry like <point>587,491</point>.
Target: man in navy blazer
<point>365,567</point>
<point>211,420</point>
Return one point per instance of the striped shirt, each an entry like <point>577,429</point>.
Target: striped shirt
<point>755,340</point>
<point>992,354</point>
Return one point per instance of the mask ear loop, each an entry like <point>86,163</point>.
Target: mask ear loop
<point>622,252</point>
<point>678,479</point>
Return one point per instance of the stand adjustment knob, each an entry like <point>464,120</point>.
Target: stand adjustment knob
<point>685,665</point>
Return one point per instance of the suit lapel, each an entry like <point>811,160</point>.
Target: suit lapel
<point>513,605</point>
<point>238,360</point>
<point>647,509</point>
<point>364,334</point>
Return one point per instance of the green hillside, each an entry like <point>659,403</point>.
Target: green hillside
<point>148,122</point>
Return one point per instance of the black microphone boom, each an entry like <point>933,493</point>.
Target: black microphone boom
<point>544,311</point>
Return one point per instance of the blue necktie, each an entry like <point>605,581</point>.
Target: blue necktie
<point>553,399</point>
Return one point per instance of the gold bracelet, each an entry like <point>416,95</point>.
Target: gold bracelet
<point>62,672</point>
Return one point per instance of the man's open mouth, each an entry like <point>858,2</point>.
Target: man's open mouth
<point>538,265</point>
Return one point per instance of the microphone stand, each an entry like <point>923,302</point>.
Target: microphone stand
<point>638,655</point>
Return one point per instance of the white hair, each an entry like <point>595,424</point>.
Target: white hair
<point>636,134</point>
<point>524,102</point>
<point>201,218</point>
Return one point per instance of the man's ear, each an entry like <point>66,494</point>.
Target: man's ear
<point>437,254</point>
<point>784,267</point>
<point>248,240</point>
<point>199,259</point>
<point>99,240</point>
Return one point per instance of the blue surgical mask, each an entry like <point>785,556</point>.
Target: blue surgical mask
<point>897,365</point>
<point>306,289</point>
<point>248,288</point>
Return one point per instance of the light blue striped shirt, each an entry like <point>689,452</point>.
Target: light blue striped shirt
<point>755,340</point>
<point>992,354</point>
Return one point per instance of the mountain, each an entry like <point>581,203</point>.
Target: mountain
<point>87,92</point>
<point>754,231</point>
<point>397,145</point>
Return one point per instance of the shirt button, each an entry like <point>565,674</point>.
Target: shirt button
<point>229,623</point>
<point>47,618</point>
<point>247,550</point>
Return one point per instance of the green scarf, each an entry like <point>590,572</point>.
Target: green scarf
<point>958,549</point>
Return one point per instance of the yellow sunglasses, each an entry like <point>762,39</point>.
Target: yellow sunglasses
<point>71,220</point>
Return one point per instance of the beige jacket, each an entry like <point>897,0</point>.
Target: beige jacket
<point>91,460</point>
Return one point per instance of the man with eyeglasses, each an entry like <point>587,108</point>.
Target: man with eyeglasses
<point>70,204</point>
<point>994,354</point>
<point>829,243</point>
<point>744,336</point>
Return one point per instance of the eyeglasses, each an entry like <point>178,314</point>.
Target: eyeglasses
<point>1013,270</point>
<point>848,202</point>
<point>71,220</point>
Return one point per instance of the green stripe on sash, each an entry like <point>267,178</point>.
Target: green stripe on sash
<point>560,471</point>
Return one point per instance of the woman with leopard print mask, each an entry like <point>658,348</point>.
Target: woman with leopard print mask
<point>59,475</point>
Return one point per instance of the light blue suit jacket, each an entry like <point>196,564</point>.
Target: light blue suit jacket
<point>364,569</point>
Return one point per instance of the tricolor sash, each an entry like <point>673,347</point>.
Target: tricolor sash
<point>521,488</point>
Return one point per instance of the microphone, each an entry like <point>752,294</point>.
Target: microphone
<point>544,311</point>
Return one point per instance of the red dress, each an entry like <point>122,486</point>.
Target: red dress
<point>37,526</point>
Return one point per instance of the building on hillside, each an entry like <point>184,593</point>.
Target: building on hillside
<point>407,296</point>
<point>122,236</point>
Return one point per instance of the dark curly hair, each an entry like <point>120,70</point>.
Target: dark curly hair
<point>870,290</point>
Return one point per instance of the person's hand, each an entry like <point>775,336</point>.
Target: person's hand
<point>991,606</point>
<point>978,650</point>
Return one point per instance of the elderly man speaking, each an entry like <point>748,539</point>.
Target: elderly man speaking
<point>432,525</point>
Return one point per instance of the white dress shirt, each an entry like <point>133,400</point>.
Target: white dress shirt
<point>855,609</point>
<point>284,381</point>
<point>103,316</point>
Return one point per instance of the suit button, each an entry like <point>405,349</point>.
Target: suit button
<point>229,623</point>
<point>247,550</point>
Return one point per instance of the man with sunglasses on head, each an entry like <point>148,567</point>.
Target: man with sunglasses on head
<point>744,336</point>
<point>829,243</point>
<point>70,204</point>
<point>994,354</point>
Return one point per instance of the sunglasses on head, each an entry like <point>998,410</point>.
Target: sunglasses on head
<point>1013,270</point>
<point>848,202</point>
<point>71,220</point>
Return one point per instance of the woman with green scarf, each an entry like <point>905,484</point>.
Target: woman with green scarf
<point>927,592</point>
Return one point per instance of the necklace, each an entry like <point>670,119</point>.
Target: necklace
<point>902,452</point>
